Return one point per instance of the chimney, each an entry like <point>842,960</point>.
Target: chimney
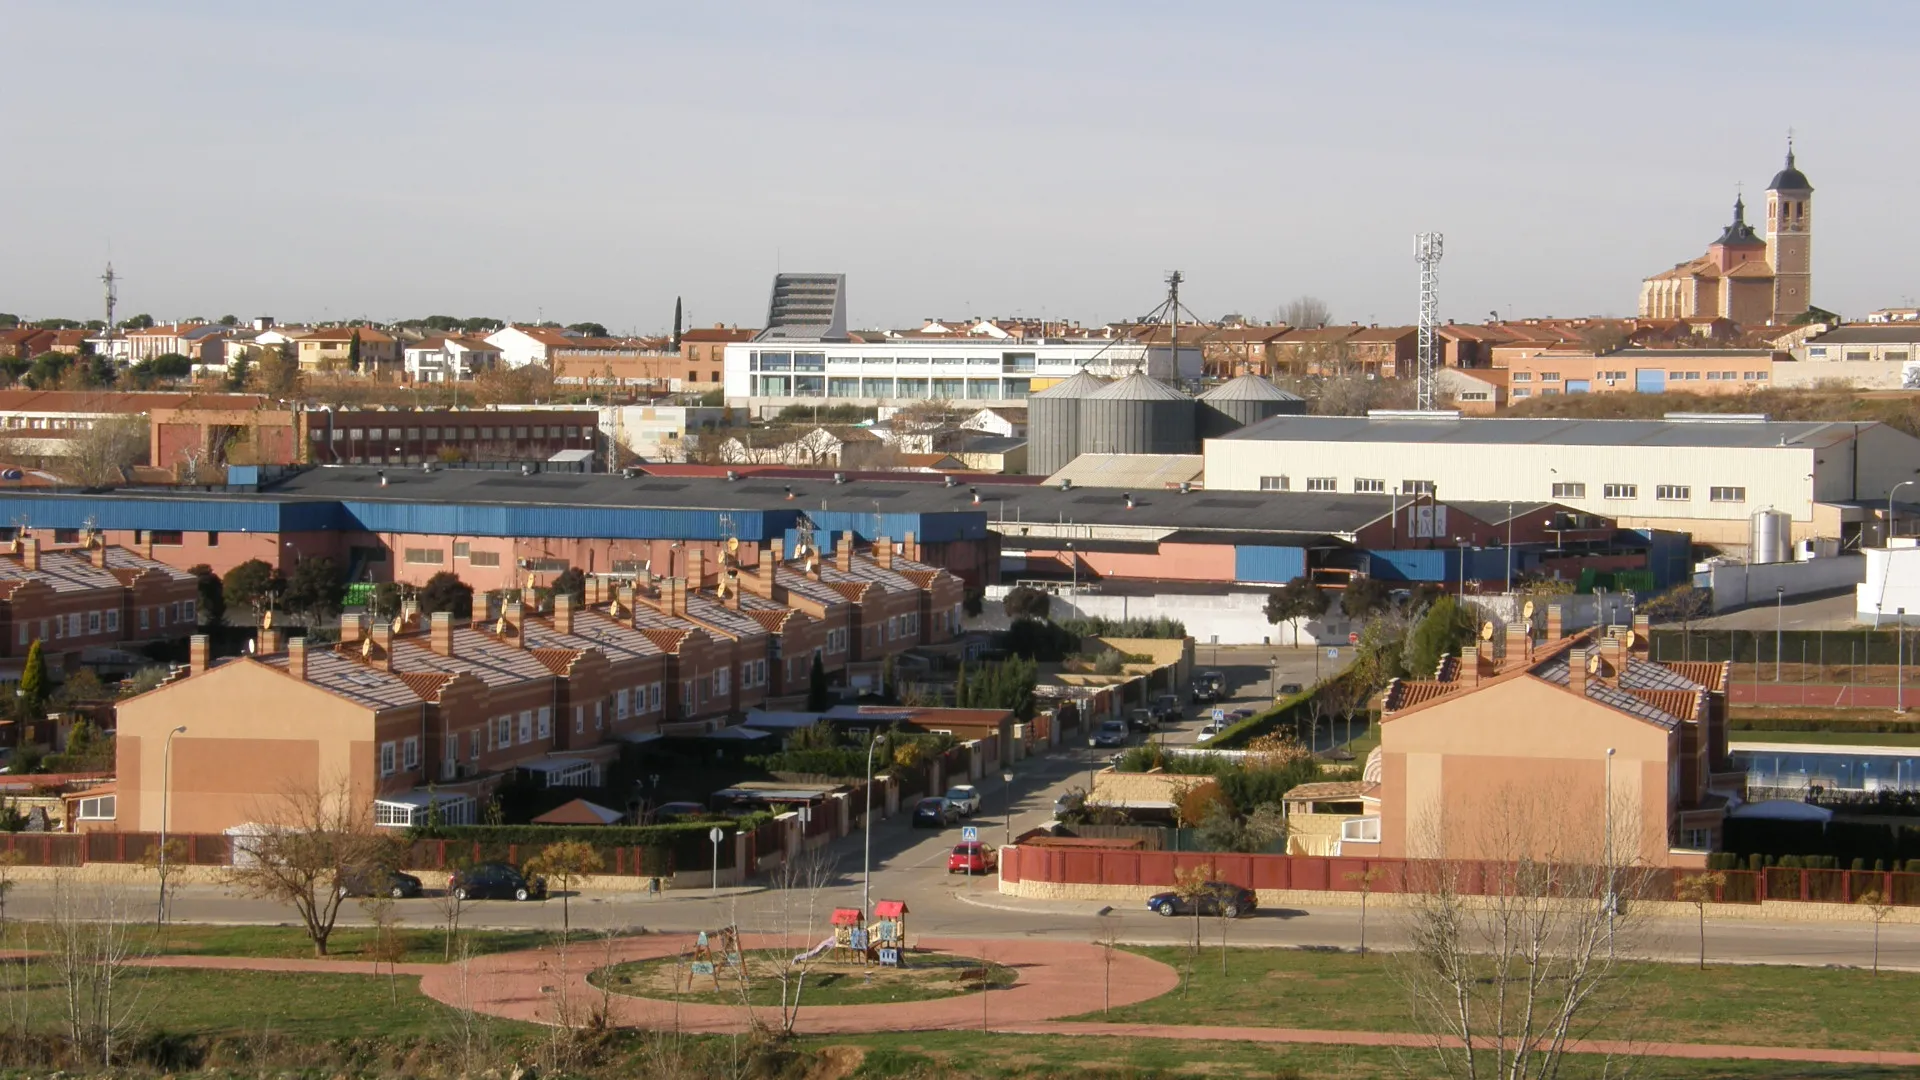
<point>1642,631</point>
<point>676,596</point>
<point>563,613</point>
<point>409,611</point>
<point>696,569</point>
<point>515,617</point>
<point>199,651</point>
<point>440,633</point>
<point>30,553</point>
<point>1555,629</point>
<point>843,555</point>
<point>883,552</point>
<point>770,561</point>
<point>1519,642</point>
<point>270,640</point>
<point>98,556</point>
<point>382,645</point>
<point>732,600</point>
<point>1613,657</point>
<point>146,544</point>
<point>595,595</point>
<point>530,598</point>
<point>297,658</point>
<point>1577,670</point>
<point>624,597</point>
<point>910,548</point>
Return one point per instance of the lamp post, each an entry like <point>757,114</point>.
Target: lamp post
<point>1074,561</point>
<point>1612,901</point>
<point>1779,626</point>
<point>1890,495</point>
<point>1462,544</point>
<point>866,871</point>
<point>1007,777</point>
<point>1273,674</point>
<point>1509,547</point>
<point>1900,660</point>
<point>166,776</point>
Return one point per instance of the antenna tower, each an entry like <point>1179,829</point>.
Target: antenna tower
<point>110,280</point>
<point>1174,278</point>
<point>1427,247</point>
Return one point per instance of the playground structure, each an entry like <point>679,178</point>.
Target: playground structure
<point>711,952</point>
<point>857,941</point>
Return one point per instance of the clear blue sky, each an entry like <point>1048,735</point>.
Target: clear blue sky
<point>592,160</point>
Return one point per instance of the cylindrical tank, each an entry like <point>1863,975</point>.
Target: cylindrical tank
<point>1249,399</point>
<point>1138,415</point>
<point>1772,537</point>
<point>1053,423</point>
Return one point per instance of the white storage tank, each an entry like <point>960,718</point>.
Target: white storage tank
<point>1772,539</point>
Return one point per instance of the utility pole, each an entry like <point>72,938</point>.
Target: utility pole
<point>1427,249</point>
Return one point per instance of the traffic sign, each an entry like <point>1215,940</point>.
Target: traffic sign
<point>1353,639</point>
<point>969,834</point>
<point>1333,654</point>
<point>1219,716</point>
<point>717,834</point>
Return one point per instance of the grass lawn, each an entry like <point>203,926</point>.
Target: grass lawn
<point>928,976</point>
<point>1757,1005</point>
<point>423,944</point>
<point>940,1054</point>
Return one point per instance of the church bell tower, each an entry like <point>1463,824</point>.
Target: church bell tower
<point>1790,240</point>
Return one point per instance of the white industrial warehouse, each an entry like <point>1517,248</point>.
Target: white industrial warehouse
<point>1707,474</point>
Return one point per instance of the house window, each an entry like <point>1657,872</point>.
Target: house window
<point>544,720</point>
<point>1416,487</point>
<point>213,539</point>
<point>461,549</point>
<point>98,808</point>
<point>1520,376</point>
<point>1859,354</point>
<point>93,622</point>
<point>1274,483</point>
<point>473,745</point>
<point>187,610</point>
<point>722,682</point>
<point>425,556</point>
<point>386,759</point>
<point>1569,491</point>
<point>502,732</point>
<point>1620,491</point>
<point>410,753</point>
<point>484,558</point>
<point>1696,839</point>
<point>167,537</point>
<point>143,618</point>
<point>1727,494</point>
<point>653,698</point>
<point>1673,493</point>
<point>620,705</point>
<point>1549,376</point>
<point>579,719</point>
<point>1322,483</point>
<point>526,725</point>
<point>1522,393</point>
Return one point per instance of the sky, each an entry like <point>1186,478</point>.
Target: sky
<point>585,160</point>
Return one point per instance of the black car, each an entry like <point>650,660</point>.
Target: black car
<point>495,881</point>
<point>934,813</point>
<point>379,883</point>
<point>1288,689</point>
<point>1213,898</point>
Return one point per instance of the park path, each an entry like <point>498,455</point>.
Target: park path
<point>1055,979</point>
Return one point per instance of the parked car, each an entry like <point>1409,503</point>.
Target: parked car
<point>1069,803</point>
<point>1238,715</point>
<point>1166,707</point>
<point>1111,733</point>
<point>1142,720</point>
<point>1207,732</point>
<point>965,799</point>
<point>378,882</point>
<point>934,812</point>
<point>495,881</point>
<point>1288,689</point>
<point>1212,898</point>
<point>974,858</point>
<point>1209,686</point>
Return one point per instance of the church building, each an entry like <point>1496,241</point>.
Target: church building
<point>1744,277</point>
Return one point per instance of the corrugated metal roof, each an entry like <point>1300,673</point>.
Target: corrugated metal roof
<point>1138,386</point>
<point>1546,431</point>
<point>1249,388</point>
<point>1130,470</point>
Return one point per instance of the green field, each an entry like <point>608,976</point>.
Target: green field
<point>420,944</point>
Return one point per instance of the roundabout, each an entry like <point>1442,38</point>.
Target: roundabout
<point>1027,981</point>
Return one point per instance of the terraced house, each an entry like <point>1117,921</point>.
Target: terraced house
<point>74,599</point>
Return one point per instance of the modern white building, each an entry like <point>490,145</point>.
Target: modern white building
<point>1707,475</point>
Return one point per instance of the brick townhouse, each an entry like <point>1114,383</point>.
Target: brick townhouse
<point>75,598</point>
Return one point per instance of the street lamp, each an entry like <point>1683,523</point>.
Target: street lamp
<point>1613,901</point>
<point>1900,660</point>
<point>1273,675</point>
<point>1779,626</point>
<point>166,776</point>
<point>1462,543</point>
<point>866,872</point>
<point>1007,777</point>
<point>1074,561</point>
<point>1890,495</point>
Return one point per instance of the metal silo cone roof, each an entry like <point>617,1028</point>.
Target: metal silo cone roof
<point>1079,384</point>
<point>1249,388</point>
<point>1139,387</point>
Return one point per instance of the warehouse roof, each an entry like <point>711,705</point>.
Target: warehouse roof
<point>1725,431</point>
<point>1130,470</point>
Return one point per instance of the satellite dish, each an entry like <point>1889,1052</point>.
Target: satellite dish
<point>1486,630</point>
<point>500,627</point>
<point>1593,664</point>
<point>1526,610</point>
<point>266,619</point>
<point>399,624</point>
<point>366,648</point>
<point>813,562</point>
<point>733,545</point>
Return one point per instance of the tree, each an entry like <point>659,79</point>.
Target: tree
<point>1305,312</point>
<point>239,371</point>
<point>1445,627</point>
<point>1364,880</point>
<point>100,455</point>
<point>571,582</point>
<point>1700,890</point>
<point>561,864</point>
<point>48,370</point>
<point>171,365</point>
<point>34,683</point>
<point>1027,602</point>
<point>589,329</point>
<point>1876,904</point>
<point>142,321</point>
<point>818,698</point>
<point>676,324</point>
<point>1365,597</point>
<point>316,588</point>
<point>1297,599</point>
<point>253,583</point>
<point>212,608</point>
<point>310,843</point>
<point>89,945</point>
<point>445,591</point>
<point>353,351</point>
<point>229,320</point>
<point>1685,604</point>
<point>276,373</point>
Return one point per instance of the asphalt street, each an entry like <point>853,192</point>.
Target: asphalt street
<point>909,864</point>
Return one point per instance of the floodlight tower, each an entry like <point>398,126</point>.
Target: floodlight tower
<point>1427,247</point>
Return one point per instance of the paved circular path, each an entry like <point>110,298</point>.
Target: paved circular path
<point>1054,979</point>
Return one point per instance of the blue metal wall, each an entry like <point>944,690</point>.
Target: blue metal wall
<point>212,515</point>
<point>1274,565</point>
<point>615,522</point>
<point>1443,564</point>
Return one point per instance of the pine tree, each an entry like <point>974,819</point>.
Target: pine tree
<point>33,677</point>
<point>676,324</point>
<point>353,352</point>
<point>817,686</point>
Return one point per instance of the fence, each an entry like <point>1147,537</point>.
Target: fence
<point>79,849</point>
<point>1336,874</point>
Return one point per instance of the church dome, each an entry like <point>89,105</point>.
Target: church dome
<point>1739,233</point>
<point>1790,178</point>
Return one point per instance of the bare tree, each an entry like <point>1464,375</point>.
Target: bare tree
<point>563,864</point>
<point>387,947</point>
<point>795,893</point>
<point>1108,939</point>
<point>311,844</point>
<point>100,455</point>
<point>168,869</point>
<point>89,942</point>
<point>1879,907</point>
<point>1364,880</point>
<point>1700,890</point>
<point>1305,312</point>
<point>1504,978</point>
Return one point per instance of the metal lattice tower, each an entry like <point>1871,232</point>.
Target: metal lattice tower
<point>109,279</point>
<point>1174,278</point>
<point>1426,251</point>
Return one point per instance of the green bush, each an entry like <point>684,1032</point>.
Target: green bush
<point>1095,626</point>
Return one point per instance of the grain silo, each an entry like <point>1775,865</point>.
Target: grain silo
<point>1138,415</point>
<point>1246,400</point>
<point>1053,423</point>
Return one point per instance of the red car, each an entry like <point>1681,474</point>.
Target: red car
<point>975,858</point>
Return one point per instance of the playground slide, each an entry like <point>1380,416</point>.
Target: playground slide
<point>815,951</point>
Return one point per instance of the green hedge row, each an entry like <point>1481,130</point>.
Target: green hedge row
<point>1803,723</point>
<point>660,836</point>
<point>1291,712</point>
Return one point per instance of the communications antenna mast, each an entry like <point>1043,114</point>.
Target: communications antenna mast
<point>1174,278</point>
<point>1427,247</point>
<point>110,280</point>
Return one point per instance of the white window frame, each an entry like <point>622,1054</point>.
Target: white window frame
<point>1672,493</point>
<point>1570,490</point>
<point>98,808</point>
<point>1620,491</point>
<point>113,620</point>
<point>1360,830</point>
<point>1727,494</point>
<point>1275,483</point>
<point>1363,485</point>
<point>387,758</point>
<point>543,722</point>
<point>620,703</point>
<point>1324,484</point>
<point>410,753</point>
<point>526,726</point>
